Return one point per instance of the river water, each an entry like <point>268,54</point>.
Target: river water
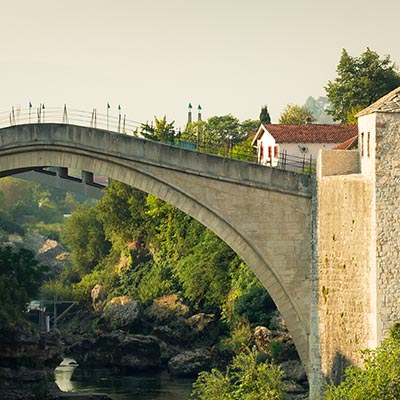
<point>137,386</point>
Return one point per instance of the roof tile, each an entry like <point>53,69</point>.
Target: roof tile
<point>312,133</point>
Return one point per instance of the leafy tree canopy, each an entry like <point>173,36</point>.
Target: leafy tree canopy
<point>20,277</point>
<point>360,82</point>
<point>161,131</point>
<point>295,114</point>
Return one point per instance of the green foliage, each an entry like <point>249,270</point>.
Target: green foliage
<point>162,131</point>
<point>84,235</point>
<point>360,82</point>
<point>378,378</point>
<point>256,305</point>
<point>265,118</point>
<point>121,213</point>
<point>203,273</point>
<point>294,114</point>
<point>246,379</point>
<point>240,336</point>
<point>20,278</point>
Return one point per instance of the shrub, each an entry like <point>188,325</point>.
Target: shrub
<point>245,379</point>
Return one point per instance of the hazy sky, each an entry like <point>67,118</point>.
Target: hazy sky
<point>153,57</point>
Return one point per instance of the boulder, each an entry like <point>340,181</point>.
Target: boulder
<point>98,295</point>
<point>203,328</point>
<point>262,337</point>
<point>124,316</point>
<point>137,352</point>
<point>167,308</point>
<point>190,363</point>
<point>118,349</point>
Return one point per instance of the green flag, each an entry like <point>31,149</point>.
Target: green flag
<point>30,105</point>
<point>119,107</point>
<point>43,107</point>
<point>108,105</point>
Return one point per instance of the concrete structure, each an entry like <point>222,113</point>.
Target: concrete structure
<point>327,250</point>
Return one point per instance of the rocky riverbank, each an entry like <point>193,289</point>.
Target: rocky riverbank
<point>167,335</point>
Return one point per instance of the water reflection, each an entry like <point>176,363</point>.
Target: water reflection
<point>140,386</point>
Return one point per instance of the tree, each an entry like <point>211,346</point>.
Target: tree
<point>84,235</point>
<point>162,131</point>
<point>249,127</point>
<point>20,278</point>
<point>361,81</point>
<point>265,118</point>
<point>225,131</point>
<point>294,114</point>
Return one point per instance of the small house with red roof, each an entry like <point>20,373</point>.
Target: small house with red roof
<point>303,140</point>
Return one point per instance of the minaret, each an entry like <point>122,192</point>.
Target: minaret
<point>199,112</point>
<point>190,113</point>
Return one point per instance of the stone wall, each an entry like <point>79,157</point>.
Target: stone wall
<point>338,162</point>
<point>345,245</point>
<point>387,169</point>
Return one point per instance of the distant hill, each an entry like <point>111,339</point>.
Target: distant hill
<point>318,107</point>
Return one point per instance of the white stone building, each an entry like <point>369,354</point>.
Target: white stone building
<point>304,140</point>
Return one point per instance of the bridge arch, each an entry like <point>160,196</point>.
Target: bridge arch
<point>263,214</point>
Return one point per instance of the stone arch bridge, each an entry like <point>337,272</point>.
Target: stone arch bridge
<point>261,213</point>
<point>325,247</point>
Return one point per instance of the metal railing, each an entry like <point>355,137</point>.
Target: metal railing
<point>120,124</point>
<point>64,115</point>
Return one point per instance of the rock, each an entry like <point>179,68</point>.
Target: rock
<point>119,301</point>
<point>204,328</point>
<point>27,361</point>
<point>167,308</point>
<point>294,371</point>
<point>98,295</point>
<point>137,352</point>
<point>124,316</point>
<point>262,337</point>
<point>190,363</point>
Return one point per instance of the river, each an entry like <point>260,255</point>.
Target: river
<point>137,386</point>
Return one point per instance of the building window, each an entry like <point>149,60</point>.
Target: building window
<point>368,144</point>
<point>276,152</point>
<point>362,144</point>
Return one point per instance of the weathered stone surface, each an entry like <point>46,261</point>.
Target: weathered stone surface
<point>137,352</point>
<point>126,316</point>
<point>190,363</point>
<point>98,295</point>
<point>204,328</point>
<point>262,337</point>
<point>167,307</point>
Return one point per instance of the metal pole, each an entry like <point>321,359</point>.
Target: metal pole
<point>55,313</point>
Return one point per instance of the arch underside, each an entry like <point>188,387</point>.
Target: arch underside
<point>170,186</point>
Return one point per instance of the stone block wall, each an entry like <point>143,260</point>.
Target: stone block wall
<point>387,175</point>
<point>345,246</point>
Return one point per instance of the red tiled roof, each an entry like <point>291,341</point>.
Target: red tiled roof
<point>310,133</point>
<point>348,144</point>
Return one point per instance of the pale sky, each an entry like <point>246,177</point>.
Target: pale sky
<point>153,57</point>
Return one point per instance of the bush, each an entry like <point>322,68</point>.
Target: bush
<point>245,379</point>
